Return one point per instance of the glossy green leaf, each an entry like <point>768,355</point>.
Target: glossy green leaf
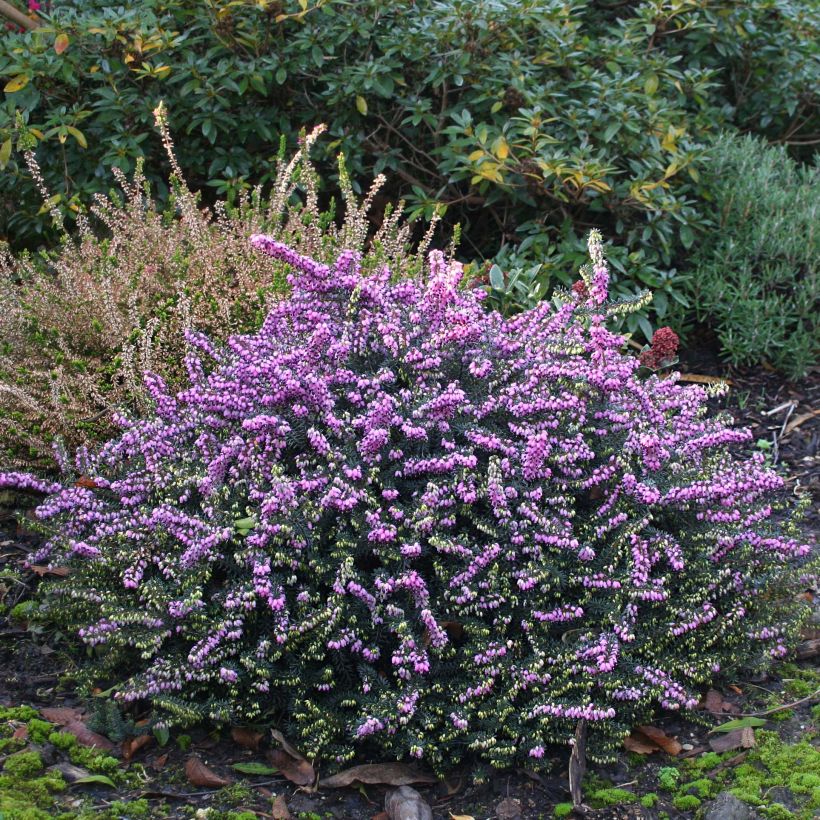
<point>254,768</point>
<point>740,723</point>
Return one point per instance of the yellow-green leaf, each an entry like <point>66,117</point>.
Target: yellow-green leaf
<point>61,43</point>
<point>50,203</point>
<point>5,153</point>
<point>361,105</point>
<point>500,148</point>
<point>16,84</point>
<point>651,84</point>
<point>476,155</point>
<point>671,170</point>
<point>669,143</point>
<point>78,135</point>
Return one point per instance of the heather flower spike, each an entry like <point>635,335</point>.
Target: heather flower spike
<point>394,523</point>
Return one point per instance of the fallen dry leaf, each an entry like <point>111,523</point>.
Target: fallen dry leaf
<point>639,744</point>
<point>86,482</point>
<point>461,816</point>
<point>20,733</point>
<point>385,774</point>
<point>736,689</point>
<point>659,737</point>
<point>158,763</point>
<point>279,809</point>
<point>63,716</point>
<point>508,809</point>
<point>713,702</point>
<point>199,774</point>
<point>737,739</point>
<point>59,572</point>
<point>246,738</point>
<point>405,803</point>
<point>280,739</point>
<point>801,419</point>
<point>131,746</point>
<point>696,378</point>
<point>645,740</point>
<point>382,815</point>
<point>297,771</point>
<point>453,784</point>
<point>86,737</point>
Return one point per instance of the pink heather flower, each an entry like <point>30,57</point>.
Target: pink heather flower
<point>449,514</point>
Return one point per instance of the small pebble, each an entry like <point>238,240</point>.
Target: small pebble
<point>687,747</point>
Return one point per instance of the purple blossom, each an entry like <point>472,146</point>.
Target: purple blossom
<point>393,516</point>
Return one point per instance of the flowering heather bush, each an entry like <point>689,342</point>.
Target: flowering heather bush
<point>395,523</point>
<point>80,326</point>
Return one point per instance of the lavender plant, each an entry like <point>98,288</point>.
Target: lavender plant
<point>393,523</point>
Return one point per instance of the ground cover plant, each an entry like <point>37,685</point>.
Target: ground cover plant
<point>82,321</point>
<point>531,121</point>
<point>756,279</point>
<point>394,524</point>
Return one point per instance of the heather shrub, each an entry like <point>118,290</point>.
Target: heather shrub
<point>82,323</point>
<point>393,523</point>
<point>756,279</point>
<point>529,119</point>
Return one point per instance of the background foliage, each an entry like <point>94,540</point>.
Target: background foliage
<point>756,278</point>
<point>531,121</point>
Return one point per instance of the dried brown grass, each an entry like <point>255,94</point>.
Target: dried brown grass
<point>81,324</point>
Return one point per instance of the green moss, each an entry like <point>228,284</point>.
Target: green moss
<point>668,778</point>
<point>700,788</point>
<point>17,713</point>
<point>704,763</point>
<point>686,802</point>
<point>23,611</point>
<point>236,793</point>
<point>62,740</point>
<point>649,800</point>
<point>39,730</point>
<point>562,810</point>
<point>777,812</point>
<point>773,763</point>
<point>23,765</point>
<point>610,797</point>
<point>129,809</point>
<point>94,761</point>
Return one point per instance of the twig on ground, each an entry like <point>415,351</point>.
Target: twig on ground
<point>727,764</point>
<point>783,706</point>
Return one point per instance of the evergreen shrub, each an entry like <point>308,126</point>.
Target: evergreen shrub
<point>393,523</point>
<point>756,278</point>
<point>530,120</point>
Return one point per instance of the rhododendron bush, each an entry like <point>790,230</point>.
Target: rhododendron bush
<point>394,523</point>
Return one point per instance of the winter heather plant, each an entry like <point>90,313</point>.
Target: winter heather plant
<point>80,325</point>
<point>396,524</point>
